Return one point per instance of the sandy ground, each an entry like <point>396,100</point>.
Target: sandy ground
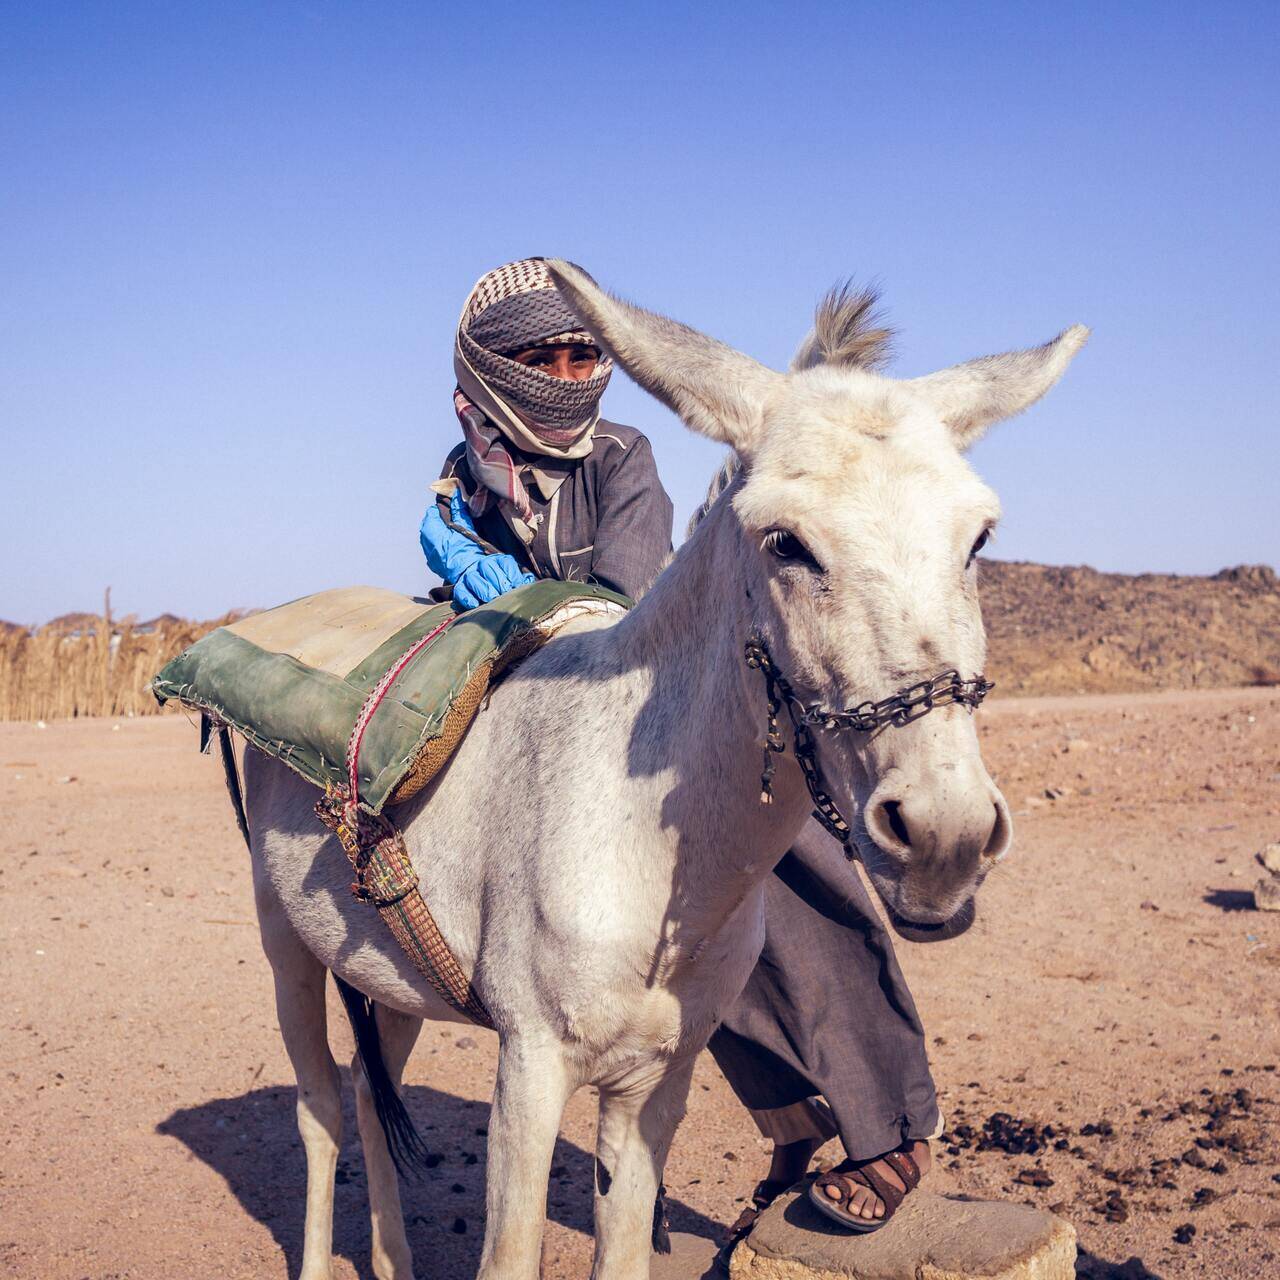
<point>1105,1039</point>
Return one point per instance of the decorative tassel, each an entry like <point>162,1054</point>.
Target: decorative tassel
<point>766,777</point>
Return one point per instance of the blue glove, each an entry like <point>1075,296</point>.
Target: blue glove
<point>449,553</point>
<point>487,579</point>
<point>476,578</point>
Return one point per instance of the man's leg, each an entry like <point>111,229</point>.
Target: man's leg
<point>796,1131</point>
<point>827,1013</point>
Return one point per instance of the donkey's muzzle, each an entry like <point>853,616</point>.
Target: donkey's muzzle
<point>939,837</point>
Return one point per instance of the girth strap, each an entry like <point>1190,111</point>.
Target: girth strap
<point>385,878</point>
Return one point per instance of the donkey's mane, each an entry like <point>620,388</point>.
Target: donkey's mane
<point>848,330</point>
<point>722,479</point>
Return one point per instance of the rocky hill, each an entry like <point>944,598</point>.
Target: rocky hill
<point>1051,630</point>
<point>1075,630</point>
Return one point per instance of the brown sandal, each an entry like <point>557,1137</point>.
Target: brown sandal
<point>762,1197</point>
<point>850,1174</point>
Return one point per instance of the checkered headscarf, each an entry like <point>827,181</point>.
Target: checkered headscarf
<point>500,401</point>
<point>518,306</point>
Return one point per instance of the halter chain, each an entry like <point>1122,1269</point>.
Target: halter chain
<point>898,709</point>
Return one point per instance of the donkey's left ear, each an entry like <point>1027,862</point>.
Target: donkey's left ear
<point>718,391</point>
<point>970,397</point>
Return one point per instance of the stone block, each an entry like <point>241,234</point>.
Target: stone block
<point>931,1237</point>
<point>1266,894</point>
<point>1269,857</point>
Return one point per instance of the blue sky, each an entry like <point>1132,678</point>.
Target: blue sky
<point>234,239</point>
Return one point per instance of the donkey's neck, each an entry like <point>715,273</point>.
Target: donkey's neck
<point>701,725</point>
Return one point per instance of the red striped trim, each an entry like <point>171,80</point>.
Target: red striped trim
<point>372,702</point>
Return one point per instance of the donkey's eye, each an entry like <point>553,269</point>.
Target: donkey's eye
<point>981,542</point>
<point>784,545</point>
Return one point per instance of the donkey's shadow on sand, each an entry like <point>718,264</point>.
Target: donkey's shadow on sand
<point>252,1141</point>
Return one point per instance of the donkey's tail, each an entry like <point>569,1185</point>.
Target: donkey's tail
<point>409,1153</point>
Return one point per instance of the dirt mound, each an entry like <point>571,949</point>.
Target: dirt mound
<point>71,624</point>
<point>1075,630</point>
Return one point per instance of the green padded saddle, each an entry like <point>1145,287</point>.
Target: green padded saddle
<point>363,686</point>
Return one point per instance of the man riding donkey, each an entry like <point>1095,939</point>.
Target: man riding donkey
<point>825,1038</point>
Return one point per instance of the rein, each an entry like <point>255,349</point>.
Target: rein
<point>900,708</point>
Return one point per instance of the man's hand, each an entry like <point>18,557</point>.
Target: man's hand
<point>476,578</point>
<point>487,579</point>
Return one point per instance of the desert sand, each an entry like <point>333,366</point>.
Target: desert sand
<point>1105,1039</point>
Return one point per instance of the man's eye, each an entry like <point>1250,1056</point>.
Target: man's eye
<point>783,545</point>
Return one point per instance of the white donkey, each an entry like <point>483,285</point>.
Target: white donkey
<point>595,852</point>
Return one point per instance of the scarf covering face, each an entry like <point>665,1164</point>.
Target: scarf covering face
<point>500,401</point>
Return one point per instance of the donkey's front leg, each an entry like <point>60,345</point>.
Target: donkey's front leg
<point>638,1119</point>
<point>528,1101</point>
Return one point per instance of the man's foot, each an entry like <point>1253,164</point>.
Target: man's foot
<point>866,1193</point>
<point>789,1164</point>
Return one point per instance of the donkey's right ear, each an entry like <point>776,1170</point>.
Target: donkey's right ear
<point>717,391</point>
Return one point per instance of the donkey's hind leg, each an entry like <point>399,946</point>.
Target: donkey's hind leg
<point>300,1009</point>
<point>392,1259</point>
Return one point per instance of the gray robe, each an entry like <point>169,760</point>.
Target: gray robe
<point>827,1011</point>
<point>605,518</point>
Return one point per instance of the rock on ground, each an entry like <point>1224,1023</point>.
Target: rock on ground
<point>930,1238</point>
<point>1266,894</point>
<point>1270,858</point>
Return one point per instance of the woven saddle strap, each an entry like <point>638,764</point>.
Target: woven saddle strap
<point>385,878</point>
<point>415,929</point>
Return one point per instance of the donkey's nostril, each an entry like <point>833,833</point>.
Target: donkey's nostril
<point>998,841</point>
<point>892,810</point>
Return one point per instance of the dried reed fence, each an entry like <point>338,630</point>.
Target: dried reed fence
<point>101,669</point>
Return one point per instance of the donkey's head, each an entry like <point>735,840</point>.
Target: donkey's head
<point>859,521</point>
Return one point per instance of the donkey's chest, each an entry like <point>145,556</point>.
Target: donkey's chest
<point>662,992</point>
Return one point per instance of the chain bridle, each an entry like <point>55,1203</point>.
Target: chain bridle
<point>896,710</point>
